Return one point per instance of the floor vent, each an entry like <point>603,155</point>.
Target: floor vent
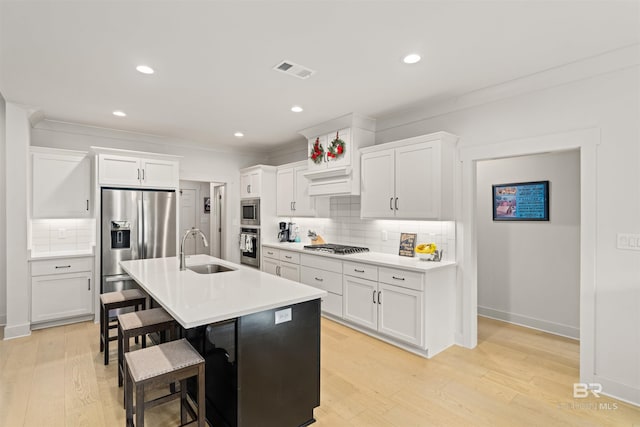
<point>295,70</point>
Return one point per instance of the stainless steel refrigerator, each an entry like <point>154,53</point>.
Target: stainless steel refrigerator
<point>136,224</point>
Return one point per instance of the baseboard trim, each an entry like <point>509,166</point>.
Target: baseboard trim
<point>3,319</point>
<point>617,390</point>
<point>17,331</point>
<point>530,322</point>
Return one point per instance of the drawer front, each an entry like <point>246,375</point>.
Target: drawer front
<point>61,266</point>
<point>321,262</point>
<point>366,271</point>
<point>268,252</point>
<point>332,304</point>
<point>327,280</point>
<point>288,256</point>
<point>402,278</point>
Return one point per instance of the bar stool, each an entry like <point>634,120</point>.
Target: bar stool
<point>141,323</point>
<point>111,301</point>
<point>164,364</point>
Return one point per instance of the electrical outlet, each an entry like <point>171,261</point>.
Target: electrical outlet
<point>628,241</point>
<point>62,233</point>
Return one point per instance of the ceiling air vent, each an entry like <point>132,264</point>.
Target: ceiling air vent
<point>295,70</point>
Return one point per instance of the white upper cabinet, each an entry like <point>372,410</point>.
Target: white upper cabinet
<point>250,182</point>
<point>61,184</point>
<point>292,191</point>
<point>129,171</point>
<point>409,179</point>
<point>333,158</point>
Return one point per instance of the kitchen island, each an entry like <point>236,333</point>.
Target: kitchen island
<point>259,335</point>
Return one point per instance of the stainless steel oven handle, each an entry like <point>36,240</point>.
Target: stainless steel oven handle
<point>118,278</point>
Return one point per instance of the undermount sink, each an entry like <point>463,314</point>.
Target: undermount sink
<point>209,268</point>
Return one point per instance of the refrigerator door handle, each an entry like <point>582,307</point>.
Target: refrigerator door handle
<point>140,230</point>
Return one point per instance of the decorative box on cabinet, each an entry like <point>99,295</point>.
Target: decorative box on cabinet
<point>61,184</point>
<point>61,289</point>
<point>411,179</point>
<point>118,169</point>
<point>341,174</point>
<point>292,191</point>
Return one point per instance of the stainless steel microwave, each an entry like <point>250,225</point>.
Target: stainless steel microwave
<point>250,212</point>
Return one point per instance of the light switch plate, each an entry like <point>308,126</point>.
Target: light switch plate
<point>628,241</point>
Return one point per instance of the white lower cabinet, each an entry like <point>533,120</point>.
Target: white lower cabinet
<point>281,263</point>
<point>389,309</point>
<point>61,289</point>
<point>326,274</point>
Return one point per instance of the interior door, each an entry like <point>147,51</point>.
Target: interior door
<point>188,210</point>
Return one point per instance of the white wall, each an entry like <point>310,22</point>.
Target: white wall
<point>17,278</point>
<point>196,164</point>
<point>3,206</point>
<point>529,272</point>
<point>289,153</point>
<point>603,93</point>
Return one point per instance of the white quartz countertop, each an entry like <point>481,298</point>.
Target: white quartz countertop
<point>376,258</point>
<point>198,299</point>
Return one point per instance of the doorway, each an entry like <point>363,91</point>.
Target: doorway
<point>586,141</point>
<point>202,205</point>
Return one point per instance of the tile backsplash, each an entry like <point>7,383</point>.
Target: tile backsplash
<point>62,235</point>
<point>345,226</point>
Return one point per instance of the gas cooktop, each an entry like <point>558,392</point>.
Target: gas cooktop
<point>336,249</point>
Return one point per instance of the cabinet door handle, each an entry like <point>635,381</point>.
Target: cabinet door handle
<point>278,270</point>
<point>319,279</point>
<point>87,204</point>
<point>398,278</point>
<point>138,174</point>
<point>391,203</point>
<point>374,297</point>
<point>358,271</point>
<point>291,206</point>
<point>88,284</point>
<point>249,188</point>
<point>143,174</point>
<point>63,266</point>
<point>379,293</point>
<point>396,203</point>
<point>294,206</point>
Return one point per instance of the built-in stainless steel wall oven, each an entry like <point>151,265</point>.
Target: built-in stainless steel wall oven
<point>250,246</point>
<point>250,211</point>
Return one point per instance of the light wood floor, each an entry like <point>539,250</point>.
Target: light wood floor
<point>515,377</point>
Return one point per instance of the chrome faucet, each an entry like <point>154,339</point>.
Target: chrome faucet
<point>194,231</point>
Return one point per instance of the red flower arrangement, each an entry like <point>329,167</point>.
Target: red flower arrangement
<point>317,152</point>
<point>336,148</point>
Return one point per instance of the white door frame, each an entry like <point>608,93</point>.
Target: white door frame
<point>586,140</point>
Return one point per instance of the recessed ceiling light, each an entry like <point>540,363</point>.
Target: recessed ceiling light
<point>297,109</point>
<point>238,134</point>
<point>119,113</point>
<point>411,58</point>
<point>145,69</point>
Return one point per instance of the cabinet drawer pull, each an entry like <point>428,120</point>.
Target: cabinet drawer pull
<point>374,297</point>
<point>379,293</point>
<point>358,271</point>
<point>319,279</point>
<point>287,257</point>
<point>63,266</point>
<point>398,278</point>
<point>269,253</point>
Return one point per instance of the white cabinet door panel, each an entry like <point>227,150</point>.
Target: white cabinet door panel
<point>418,181</point>
<point>377,185</point>
<point>332,304</point>
<point>61,185</point>
<point>359,302</point>
<point>61,296</point>
<point>303,204</point>
<point>119,170</point>
<point>290,271</point>
<point>401,313</point>
<point>159,173</point>
<point>270,266</point>
<point>284,192</point>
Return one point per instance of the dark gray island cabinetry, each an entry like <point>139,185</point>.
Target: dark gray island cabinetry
<point>259,335</point>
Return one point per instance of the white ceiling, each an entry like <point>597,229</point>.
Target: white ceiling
<point>75,60</point>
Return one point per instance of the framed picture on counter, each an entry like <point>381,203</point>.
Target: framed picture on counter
<point>407,244</point>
